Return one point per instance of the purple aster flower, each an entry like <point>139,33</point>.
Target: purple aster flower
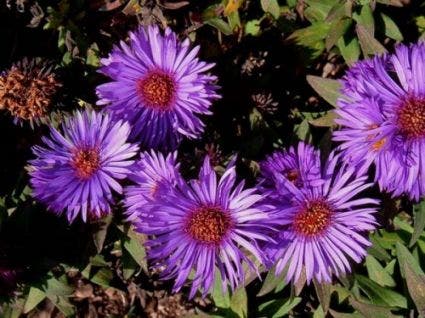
<point>299,165</point>
<point>77,169</point>
<point>324,225</point>
<point>150,173</point>
<point>159,86</point>
<point>382,118</point>
<point>207,226</point>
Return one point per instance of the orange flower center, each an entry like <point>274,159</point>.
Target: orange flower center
<point>313,218</point>
<point>411,117</point>
<point>86,162</point>
<point>157,90</point>
<point>208,224</point>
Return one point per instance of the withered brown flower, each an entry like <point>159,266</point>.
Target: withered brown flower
<point>27,90</point>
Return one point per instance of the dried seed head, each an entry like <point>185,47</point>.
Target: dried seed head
<point>27,90</point>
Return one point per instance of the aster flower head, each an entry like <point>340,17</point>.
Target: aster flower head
<point>382,118</point>
<point>300,165</point>
<point>159,86</point>
<point>206,226</point>
<point>78,167</point>
<point>152,172</point>
<point>27,90</point>
<point>324,225</point>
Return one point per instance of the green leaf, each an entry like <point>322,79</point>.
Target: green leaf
<point>350,49</point>
<point>365,18</point>
<point>405,257</point>
<point>380,295</point>
<point>63,305</point>
<point>337,30</point>
<point>391,28</point>
<point>133,243</point>
<point>328,89</point>
<point>395,3</point>
<point>278,308</point>
<point>319,313</point>
<point>416,286</point>
<point>342,293</point>
<point>327,120</point>
<point>239,303</point>
<point>377,273</point>
<point>103,277</point>
<point>310,35</point>
<point>418,221</point>
<point>369,45</point>
<point>100,231</point>
<point>220,25</point>
<point>336,314</point>
<point>221,298</point>
<point>271,282</point>
<point>323,292</point>
<point>318,10</point>
<point>272,7</point>
<point>57,287</point>
<point>371,311</point>
<point>252,27</point>
<point>35,297</point>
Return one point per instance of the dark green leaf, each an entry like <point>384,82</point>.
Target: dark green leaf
<point>328,89</point>
<point>134,245</point>
<point>418,221</point>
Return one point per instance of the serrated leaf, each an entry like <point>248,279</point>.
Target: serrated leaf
<point>416,286</point>
<point>239,302</point>
<point>418,221</point>
<point>377,273</point>
<point>337,30</point>
<point>328,89</point>
<point>391,28</point>
<point>35,297</point>
<point>272,7</point>
<point>369,45</point>
<point>380,295</point>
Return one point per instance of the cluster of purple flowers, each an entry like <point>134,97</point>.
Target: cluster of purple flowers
<point>304,216</point>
